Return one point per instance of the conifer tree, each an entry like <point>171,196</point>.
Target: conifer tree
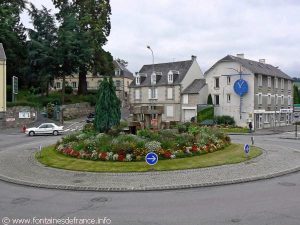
<point>108,106</point>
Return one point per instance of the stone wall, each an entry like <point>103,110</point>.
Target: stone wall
<point>18,116</point>
<point>77,110</point>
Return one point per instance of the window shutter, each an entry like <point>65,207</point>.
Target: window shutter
<point>149,93</point>
<point>156,93</point>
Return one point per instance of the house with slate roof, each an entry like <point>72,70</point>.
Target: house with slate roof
<point>122,79</point>
<point>2,82</point>
<point>158,90</point>
<point>251,91</point>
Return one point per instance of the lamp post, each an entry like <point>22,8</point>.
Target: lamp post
<point>152,84</point>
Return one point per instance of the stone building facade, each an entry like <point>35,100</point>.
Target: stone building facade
<point>268,98</point>
<point>122,79</point>
<point>157,92</point>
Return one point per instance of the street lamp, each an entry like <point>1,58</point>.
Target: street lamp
<point>152,84</point>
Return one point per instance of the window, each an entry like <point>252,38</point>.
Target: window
<point>74,85</point>
<point>217,82</point>
<point>153,78</point>
<point>269,82</point>
<point>228,98</point>
<point>260,80</point>
<point>267,118</point>
<point>282,100</point>
<point>217,100</point>
<point>170,111</point>
<point>282,83</point>
<point>170,78</point>
<point>276,99</point>
<point>260,99</point>
<point>269,99</point>
<point>138,80</point>
<point>118,83</point>
<point>118,72</point>
<point>276,82</point>
<point>185,99</point>
<point>137,94</point>
<point>57,84</point>
<point>289,100</point>
<point>169,93</point>
<point>153,93</point>
<point>289,85</point>
<point>228,80</point>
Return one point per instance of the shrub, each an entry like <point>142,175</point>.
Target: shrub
<point>225,120</point>
<point>152,146</point>
<point>205,114</point>
<point>89,127</point>
<point>182,128</point>
<point>68,89</point>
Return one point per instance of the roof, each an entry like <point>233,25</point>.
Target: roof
<point>164,68</point>
<point>195,87</point>
<point>2,52</point>
<point>125,72</point>
<point>254,66</point>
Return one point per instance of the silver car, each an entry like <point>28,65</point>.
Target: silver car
<point>45,128</point>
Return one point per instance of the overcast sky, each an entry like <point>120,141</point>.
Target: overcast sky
<point>177,29</point>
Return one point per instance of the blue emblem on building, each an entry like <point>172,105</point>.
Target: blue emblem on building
<point>240,87</point>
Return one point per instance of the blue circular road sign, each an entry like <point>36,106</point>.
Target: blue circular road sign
<point>247,148</point>
<point>240,87</point>
<point>151,158</point>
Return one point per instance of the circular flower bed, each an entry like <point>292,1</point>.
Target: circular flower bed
<point>168,144</point>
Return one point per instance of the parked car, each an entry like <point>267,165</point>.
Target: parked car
<point>90,118</point>
<point>45,128</point>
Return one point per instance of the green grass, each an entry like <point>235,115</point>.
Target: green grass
<point>234,130</point>
<point>230,155</point>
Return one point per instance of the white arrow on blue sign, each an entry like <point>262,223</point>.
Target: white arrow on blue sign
<point>247,148</point>
<point>151,158</point>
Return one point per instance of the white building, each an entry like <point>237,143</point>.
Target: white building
<point>266,92</point>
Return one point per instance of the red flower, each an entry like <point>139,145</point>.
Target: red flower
<point>103,155</point>
<point>121,158</point>
<point>194,148</point>
<point>167,154</point>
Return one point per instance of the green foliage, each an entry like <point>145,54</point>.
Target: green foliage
<point>13,38</point>
<point>296,95</point>
<point>89,127</point>
<point>205,114</point>
<point>21,103</point>
<point>68,89</point>
<point>108,113</point>
<point>50,110</point>
<point>224,120</point>
<point>209,100</point>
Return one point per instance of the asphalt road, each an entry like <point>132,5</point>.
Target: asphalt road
<point>268,202</point>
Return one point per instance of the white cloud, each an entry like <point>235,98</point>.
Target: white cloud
<point>177,29</point>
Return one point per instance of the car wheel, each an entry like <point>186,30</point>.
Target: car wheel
<point>31,133</point>
<point>55,133</point>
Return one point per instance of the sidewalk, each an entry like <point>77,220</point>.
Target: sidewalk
<point>276,160</point>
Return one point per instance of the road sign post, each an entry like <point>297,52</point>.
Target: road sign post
<point>247,149</point>
<point>15,88</point>
<point>151,158</point>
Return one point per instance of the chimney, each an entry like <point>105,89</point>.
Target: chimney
<point>240,55</point>
<point>194,57</point>
<point>262,61</point>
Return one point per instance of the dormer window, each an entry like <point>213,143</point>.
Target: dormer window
<point>138,80</point>
<point>153,78</point>
<point>170,78</point>
<point>117,72</point>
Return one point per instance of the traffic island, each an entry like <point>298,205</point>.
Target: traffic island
<point>230,155</point>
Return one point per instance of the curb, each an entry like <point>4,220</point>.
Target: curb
<point>159,188</point>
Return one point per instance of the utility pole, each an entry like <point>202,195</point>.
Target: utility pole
<point>152,85</point>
